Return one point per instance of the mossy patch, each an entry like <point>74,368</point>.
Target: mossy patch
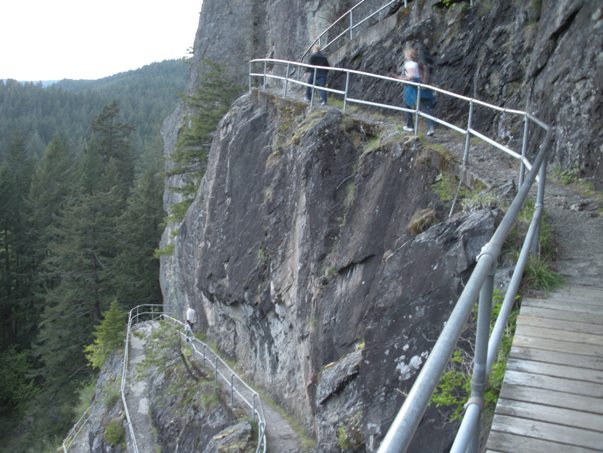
<point>421,220</point>
<point>349,433</point>
<point>114,432</point>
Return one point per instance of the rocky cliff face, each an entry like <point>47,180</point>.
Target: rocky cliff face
<point>297,251</point>
<point>540,56</point>
<point>298,255</point>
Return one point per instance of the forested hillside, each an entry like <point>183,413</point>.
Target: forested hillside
<point>81,185</point>
<point>36,114</point>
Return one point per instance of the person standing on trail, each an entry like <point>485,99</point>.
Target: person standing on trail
<point>317,59</point>
<point>412,73</point>
<point>191,317</point>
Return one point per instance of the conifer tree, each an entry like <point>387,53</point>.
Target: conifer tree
<point>108,335</point>
<point>81,255</point>
<point>140,227</point>
<point>51,186</point>
<point>208,105</point>
<point>15,264</point>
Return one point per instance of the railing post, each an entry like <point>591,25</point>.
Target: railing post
<point>524,145</point>
<point>468,136</point>
<point>249,76</point>
<point>417,111</point>
<point>265,72</point>
<point>253,411</point>
<point>351,24</point>
<point>232,389</point>
<point>345,94</point>
<point>539,204</point>
<point>313,87</point>
<point>286,81</point>
<point>467,439</point>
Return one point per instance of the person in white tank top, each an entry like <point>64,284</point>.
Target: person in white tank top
<point>412,73</point>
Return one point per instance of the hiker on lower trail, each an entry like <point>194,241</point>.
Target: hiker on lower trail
<point>412,73</point>
<point>317,59</point>
<point>191,317</point>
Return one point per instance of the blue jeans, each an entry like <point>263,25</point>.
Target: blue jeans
<point>321,81</point>
<point>427,106</point>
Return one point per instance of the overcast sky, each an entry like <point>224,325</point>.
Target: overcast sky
<point>91,39</point>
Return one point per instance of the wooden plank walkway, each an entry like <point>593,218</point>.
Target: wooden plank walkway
<point>552,396</point>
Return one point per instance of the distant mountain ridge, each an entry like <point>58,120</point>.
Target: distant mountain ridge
<point>36,112</point>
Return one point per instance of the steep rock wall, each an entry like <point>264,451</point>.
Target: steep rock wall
<point>541,56</point>
<point>232,32</point>
<point>297,256</point>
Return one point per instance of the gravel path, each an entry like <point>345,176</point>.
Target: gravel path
<point>578,229</point>
<point>281,437</point>
<point>136,393</point>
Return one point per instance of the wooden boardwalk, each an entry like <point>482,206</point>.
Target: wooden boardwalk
<point>552,396</point>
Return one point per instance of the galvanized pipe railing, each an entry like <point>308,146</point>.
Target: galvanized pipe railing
<point>224,372</point>
<point>221,369</point>
<point>145,312</point>
<point>352,22</point>
<point>400,433</point>
<point>480,283</point>
<point>468,131</point>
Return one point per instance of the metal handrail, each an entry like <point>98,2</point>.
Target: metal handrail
<point>156,311</point>
<point>75,430</point>
<point>219,366</point>
<point>468,131</point>
<point>481,281</point>
<point>348,17</point>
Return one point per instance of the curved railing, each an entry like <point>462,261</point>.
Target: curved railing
<point>237,386</point>
<point>347,24</point>
<point>280,70</point>
<point>481,281</point>
<point>221,371</point>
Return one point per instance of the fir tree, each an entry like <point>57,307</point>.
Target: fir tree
<point>208,105</point>
<point>108,335</point>
<point>80,268</point>
<point>140,227</point>
<point>16,265</point>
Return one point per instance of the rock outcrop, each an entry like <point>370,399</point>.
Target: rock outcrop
<point>540,56</point>
<point>185,409</point>
<point>298,256</point>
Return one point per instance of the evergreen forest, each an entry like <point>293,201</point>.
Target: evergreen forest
<point>81,186</point>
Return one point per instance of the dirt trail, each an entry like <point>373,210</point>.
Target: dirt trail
<point>578,229</point>
<point>281,437</point>
<point>137,393</point>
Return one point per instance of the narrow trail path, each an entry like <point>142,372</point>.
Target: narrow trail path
<point>137,392</point>
<point>281,437</point>
<point>578,229</point>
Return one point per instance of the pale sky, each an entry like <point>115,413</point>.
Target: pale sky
<point>91,39</point>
